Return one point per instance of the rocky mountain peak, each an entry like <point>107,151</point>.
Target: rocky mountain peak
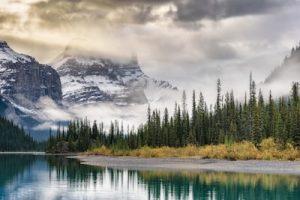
<point>77,79</point>
<point>88,77</point>
<point>3,44</point>
<point>24,80</point>
<point>9,55</point>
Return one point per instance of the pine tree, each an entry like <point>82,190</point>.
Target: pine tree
<point>271,117</point>
<point>253,112</point>
<point>281,131</point>
<point>218,120</point>
<point>95,133</point>
<point>201,131</point>
<point>194,113</point>
<point>257,128</point>
<point>295,109</point>
<point>184,105</point>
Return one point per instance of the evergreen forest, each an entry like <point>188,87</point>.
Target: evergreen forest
<point>14,138</point>
<point>228,120</point>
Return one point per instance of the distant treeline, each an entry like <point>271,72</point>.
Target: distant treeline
<point>227,121</point>
<point>14,138</point>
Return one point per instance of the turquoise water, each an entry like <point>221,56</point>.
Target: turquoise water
<point>48,177</point>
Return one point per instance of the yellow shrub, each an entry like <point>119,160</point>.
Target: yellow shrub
<point>189,151</point>
<point>290,153</point>
<point>268,150</point>
<point>243,151</point>
<point>268,145</point>
<point>100,151</point>
<point>214,151</point>
<point>145,152</point>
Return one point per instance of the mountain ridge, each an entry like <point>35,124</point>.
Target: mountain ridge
<point>90,79</point>
<point>288,70</point>
<point>24,83</point>
<point>23,79</point>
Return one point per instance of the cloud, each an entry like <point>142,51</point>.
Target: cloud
<point>40,49</point>
<point>194,10</point>
<point>187,42</point>
<point>61,13</point>
<point>58,13</point>
<point>49,110</point>
<point>7,19</point>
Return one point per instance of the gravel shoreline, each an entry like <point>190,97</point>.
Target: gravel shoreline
<point>192,164</point>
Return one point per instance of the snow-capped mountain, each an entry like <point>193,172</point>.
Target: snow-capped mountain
<point>37,96</point>
<point>90,79</point>
<point>24,80</point>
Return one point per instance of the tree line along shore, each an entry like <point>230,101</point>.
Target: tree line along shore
<point>229,129</point>
<point>14,138</point>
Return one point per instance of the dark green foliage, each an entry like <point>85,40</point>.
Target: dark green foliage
<point>14,138</point>
<point>226,122</point>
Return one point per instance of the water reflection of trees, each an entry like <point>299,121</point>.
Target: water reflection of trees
<point>73,171</point>
<point>183,185</point>
<point>14,165</point>
<point>213,185</point>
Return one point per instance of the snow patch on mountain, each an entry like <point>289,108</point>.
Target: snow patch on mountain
<point>37,97</point>
<point>9,55</point>
<point>91,79</point>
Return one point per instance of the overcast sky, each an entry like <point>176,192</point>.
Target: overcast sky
<point>187,42</point>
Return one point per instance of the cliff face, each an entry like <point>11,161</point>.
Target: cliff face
<point>23,79</point>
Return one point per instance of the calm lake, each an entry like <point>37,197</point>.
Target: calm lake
<point>39,177</point>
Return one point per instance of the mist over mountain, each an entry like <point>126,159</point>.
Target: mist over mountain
<point>38,97</point>
<point>88,78</point>
<point>82,84</point>
<point>23,82</point>
<point>289,70</point>
<point>285,74</point>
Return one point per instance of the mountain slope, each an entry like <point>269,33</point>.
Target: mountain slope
<point>38,97</point>
<point>90,79</point>
<point>24,80</point>
<point>289,71</point>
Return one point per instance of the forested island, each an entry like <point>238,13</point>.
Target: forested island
<point>256,128</point>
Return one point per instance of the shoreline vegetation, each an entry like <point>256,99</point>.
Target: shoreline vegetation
<point>267,150</point>
<point>230,129</point>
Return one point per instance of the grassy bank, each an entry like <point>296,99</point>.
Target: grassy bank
<point>268,149</point>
